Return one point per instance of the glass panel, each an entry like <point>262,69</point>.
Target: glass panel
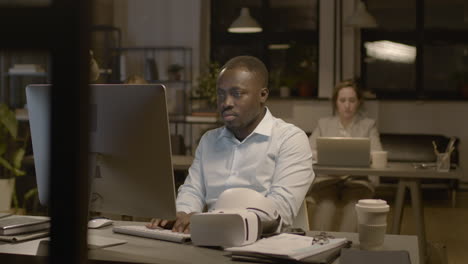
<point>446,69</point>
<point>25,3</point>
<point>390,67</point>
<point>18,69</point>
<point>393,15</point>
<point>288,45</point>
<point>222,53</point>
<point>294,66</point>
<point>292,15</point>
<point>446,14</point>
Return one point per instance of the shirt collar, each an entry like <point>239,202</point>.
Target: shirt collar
<point>263,128</point>
<point>356,118</point>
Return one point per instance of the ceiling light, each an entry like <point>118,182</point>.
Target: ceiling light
<point>278,46</point>
<point>391,51</point>
<point>361,18</point>
<point>245,23</point>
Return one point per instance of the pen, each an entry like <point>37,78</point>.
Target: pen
<point>435,147</point>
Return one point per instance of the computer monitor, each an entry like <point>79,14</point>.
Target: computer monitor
<point>130,153</point>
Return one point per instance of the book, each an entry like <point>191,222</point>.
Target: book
<point>287,247</point>
<point>24,237</point>
<point>22,224</point>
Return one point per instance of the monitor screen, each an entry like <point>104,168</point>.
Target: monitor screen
<point>130,154</point>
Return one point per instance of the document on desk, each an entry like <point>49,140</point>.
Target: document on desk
<point>288,246</point>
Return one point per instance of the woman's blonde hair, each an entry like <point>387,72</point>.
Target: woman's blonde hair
<point>351,83</point>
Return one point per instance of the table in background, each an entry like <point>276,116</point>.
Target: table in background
<point>138,249</point>
<point>408,177</point>
<point>180,162</point>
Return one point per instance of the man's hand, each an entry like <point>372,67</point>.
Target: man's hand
<point>181,224</point>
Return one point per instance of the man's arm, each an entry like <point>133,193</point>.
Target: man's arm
<point>191,194</point>
<point>293,174</point>
<point>189,199</point>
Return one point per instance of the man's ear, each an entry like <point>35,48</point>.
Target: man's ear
<point>264,94</point>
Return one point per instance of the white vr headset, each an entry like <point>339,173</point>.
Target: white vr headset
<point>239,217</point>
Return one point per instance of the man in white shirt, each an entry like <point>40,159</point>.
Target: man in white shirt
<point>252,150</point>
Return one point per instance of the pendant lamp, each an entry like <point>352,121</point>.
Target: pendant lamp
<point>245,23</point>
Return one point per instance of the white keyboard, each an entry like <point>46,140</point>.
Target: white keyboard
<point>161,234</point>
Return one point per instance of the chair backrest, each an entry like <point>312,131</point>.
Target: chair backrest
<point>302,217</point>
<point>177,145</point>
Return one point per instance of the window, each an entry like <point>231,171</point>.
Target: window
<point>288,44</point>
<point>419,50</point>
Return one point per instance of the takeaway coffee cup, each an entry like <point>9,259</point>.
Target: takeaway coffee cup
<point>372,223</point>
<point>379,159</point>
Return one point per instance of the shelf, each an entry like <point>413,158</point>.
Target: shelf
<point>169,81</point>
<point>23,74</point>
<point>162,48</point>
<point>22,114</point>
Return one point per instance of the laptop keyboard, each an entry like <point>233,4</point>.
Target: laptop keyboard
<point>160,234</point>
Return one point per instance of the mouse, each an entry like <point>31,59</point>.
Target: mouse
<point>99,222</point>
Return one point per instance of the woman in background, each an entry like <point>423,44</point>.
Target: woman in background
<point>327,191</point>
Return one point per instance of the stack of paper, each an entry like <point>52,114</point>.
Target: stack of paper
<point>287,247</point>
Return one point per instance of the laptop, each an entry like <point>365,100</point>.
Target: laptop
<point>343,151</point>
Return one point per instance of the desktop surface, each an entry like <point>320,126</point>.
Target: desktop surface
<point>144,250</point>
<point>393,169</point>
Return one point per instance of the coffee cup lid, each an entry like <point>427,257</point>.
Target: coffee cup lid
<point>373,205</point>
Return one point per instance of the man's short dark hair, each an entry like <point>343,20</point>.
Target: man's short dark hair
<point>252,64</point>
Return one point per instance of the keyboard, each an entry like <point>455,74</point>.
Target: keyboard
<point>160,234</point>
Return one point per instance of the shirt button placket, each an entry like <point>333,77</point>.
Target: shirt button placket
<point>233,172</point>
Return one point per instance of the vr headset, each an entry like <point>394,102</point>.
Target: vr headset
<point>240,217</point>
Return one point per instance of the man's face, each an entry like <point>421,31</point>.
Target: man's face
<point>240,100</point>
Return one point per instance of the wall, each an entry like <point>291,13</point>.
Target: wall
<point>161,23</point>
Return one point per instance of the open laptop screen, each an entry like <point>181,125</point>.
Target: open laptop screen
<point>343,151</point>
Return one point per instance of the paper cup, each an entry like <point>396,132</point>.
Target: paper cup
<point>379,159</point>
<point>371,237</point>
<point>372,222</point>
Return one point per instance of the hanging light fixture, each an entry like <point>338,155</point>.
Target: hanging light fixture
<point>245,23</point>
<point>361,18</point>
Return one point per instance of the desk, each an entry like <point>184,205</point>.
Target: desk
<point>180,162</point>
<point>139,249</point>
<point>408,177</point>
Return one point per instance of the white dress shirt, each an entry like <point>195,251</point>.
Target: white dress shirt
<point>274,160</point>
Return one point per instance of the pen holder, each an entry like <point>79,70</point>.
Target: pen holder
<point>443,162</point>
